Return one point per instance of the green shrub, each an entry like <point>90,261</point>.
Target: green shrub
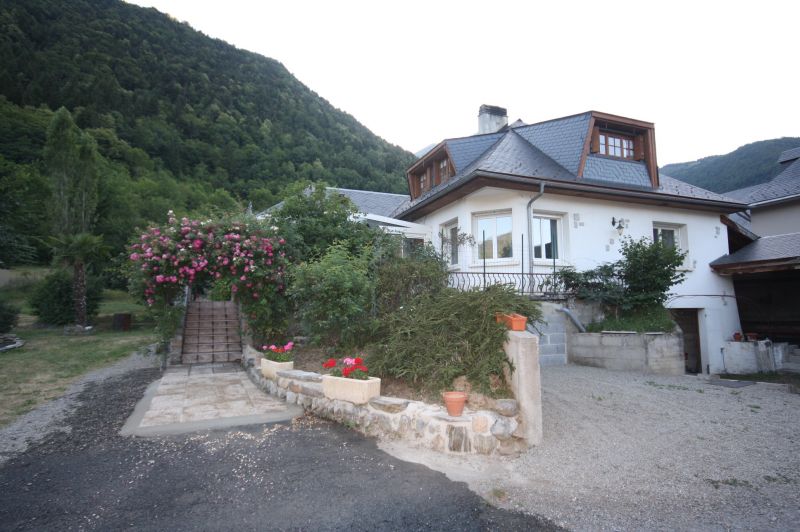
<point>641,280</point>
<point>8,317</point>
<point>52,299</point>
<point>648,319</point>
<point>398,279</point>
<point>438,337</point>
<point>334,297</point>
<point>220,290</point>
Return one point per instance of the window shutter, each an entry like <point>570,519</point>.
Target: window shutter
<point>638,148</point>
<point>595,146</point>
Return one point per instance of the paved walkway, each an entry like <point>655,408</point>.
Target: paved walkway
<point>204,396</point>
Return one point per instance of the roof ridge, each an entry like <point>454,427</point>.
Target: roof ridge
<point>369,191</point>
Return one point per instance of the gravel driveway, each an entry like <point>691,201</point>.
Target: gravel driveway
<point>627,451</point>
<point>308,475</point>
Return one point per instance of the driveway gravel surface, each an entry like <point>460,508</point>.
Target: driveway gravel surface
<point>308,474</point>
<point>626,451</point>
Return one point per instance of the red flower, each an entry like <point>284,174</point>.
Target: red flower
<point>359,361</point>
<point>347,371</point>
<point>329,364</point>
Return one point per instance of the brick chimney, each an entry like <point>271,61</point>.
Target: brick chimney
<point>491,118</point>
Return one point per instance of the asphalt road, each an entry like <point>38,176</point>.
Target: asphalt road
<point>307,475</point>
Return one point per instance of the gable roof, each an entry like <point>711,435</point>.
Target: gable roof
<point>783,187</point>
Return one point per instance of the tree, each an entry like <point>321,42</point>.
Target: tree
<point>78,251</point>
<point>70,159</point>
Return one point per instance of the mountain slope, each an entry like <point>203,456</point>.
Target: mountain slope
<point>202,109</point>
<point>748,165</point>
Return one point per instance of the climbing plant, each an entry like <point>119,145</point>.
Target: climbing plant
<point>248,253</point>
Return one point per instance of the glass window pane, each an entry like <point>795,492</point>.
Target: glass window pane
<point>504,237</point>
<point>485,238</point>
<point>668,238</point>
<point>537,238</point>
<point>554,239</point>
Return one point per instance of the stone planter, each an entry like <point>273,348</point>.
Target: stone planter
<point>353,390</point>
<point>270,368</point>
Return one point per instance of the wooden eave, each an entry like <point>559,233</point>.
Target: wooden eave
<point>479,179</point>
<point>761,266</point>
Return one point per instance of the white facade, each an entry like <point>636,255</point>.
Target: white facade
<point>586,239</point>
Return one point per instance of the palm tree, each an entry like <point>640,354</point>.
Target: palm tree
<point>78,251</point>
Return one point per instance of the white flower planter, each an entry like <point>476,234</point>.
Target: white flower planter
<point>270,368</point>
<point>352,390</point>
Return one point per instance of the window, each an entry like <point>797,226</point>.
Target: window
<point>545,237</point>
<point>671,235</point>
<point>616,145</point>
<point>450,242</point>
<point>665,235</point>
<point>443,174</point>
<point>412,246</point>
<point>493,236</point>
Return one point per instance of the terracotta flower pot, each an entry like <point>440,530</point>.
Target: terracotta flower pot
<point>515,322</point>
<point>454,401</point>
<point>737,337</point>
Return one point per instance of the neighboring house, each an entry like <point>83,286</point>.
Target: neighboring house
<point>533,198</point>
<point>375,208</point>
<point>764,259</point>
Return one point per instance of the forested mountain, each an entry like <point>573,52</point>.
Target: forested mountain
<point>179,120</point>
<point>747,165</point>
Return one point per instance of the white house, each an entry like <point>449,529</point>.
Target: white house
<point>533,198</point>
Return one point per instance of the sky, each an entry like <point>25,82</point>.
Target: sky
<point>711,75</point>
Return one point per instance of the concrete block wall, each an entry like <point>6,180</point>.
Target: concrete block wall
<point>657,353</point>
<point>552,335</point>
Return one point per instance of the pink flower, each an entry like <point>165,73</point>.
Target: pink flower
<point>134,257</point>
<point>159,278</point>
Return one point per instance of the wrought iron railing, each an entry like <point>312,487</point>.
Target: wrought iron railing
<point>535,284</point>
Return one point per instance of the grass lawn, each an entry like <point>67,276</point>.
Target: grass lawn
<point>49,361</point>
<point>782,378</point>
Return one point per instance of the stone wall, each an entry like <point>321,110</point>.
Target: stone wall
<point>659,353</point>
<point>506,426</point>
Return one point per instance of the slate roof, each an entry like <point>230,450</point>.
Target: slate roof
<point>633,173</point>
<point>561,139</point>
<point>789,155</point>
<point>550,150</point>
<point>766,248</point>
<point>465,150</point>
<point>784,185</point>
<point>367,202</point>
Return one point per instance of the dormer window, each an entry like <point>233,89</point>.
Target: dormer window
<point>616,145</point>
<point>444,172</point>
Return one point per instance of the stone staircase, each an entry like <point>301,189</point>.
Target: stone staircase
<point>211,333</point>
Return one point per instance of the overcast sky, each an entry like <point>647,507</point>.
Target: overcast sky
<point>711,75</point>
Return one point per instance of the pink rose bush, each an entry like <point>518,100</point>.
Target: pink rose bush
<point>250,255</point>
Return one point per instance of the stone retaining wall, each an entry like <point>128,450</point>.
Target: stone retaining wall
<point>659,353</point>
<point>509,426</point>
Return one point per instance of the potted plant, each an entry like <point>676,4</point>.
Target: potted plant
<point>349,380</point>
<point>454,402</point>
<point>276,358</point>
<point>513,321</point>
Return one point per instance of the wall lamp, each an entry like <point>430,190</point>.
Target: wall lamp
<point>618,224</point>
